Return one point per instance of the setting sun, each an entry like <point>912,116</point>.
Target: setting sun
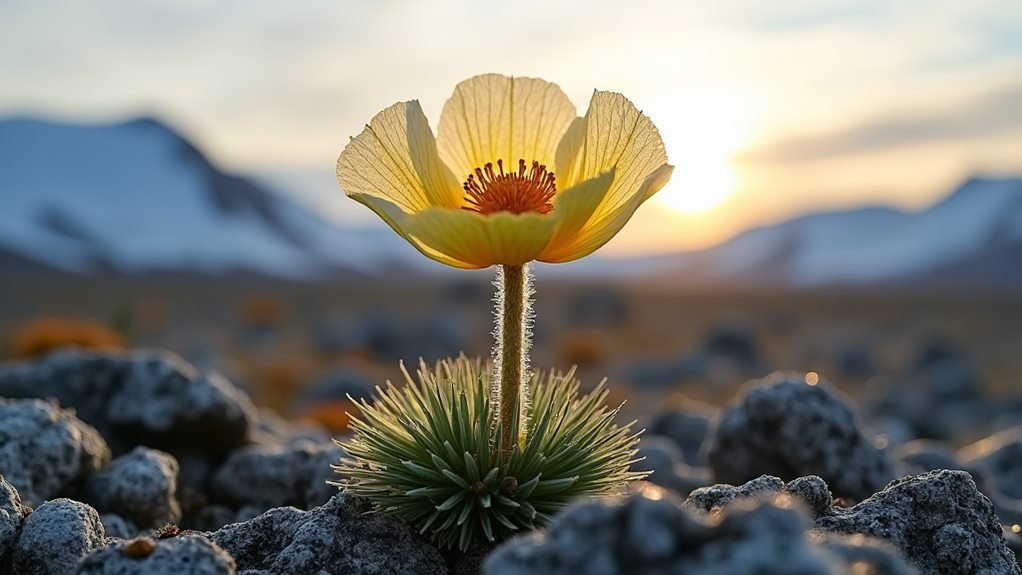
<point>702,130</point>
<point>702,185</point>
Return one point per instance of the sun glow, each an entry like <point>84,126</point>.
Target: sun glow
<point>702,130</point>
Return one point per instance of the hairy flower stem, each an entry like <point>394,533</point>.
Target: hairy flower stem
<point>510,353</point>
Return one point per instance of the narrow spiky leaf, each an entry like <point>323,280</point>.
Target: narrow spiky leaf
<point>428,452</point>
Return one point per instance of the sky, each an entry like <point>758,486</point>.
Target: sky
<point>768,110</point>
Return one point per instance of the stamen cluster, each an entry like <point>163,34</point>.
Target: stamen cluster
<point>530,189</point>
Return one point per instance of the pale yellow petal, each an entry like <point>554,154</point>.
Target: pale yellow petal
<point>602,227</point>
<point>616,135</point>
<point>398,221</point>
<point>481,241</point>
<point>494,117</point>
<point>395,158</point>
<point>573,209</point>
<point>568,149</point>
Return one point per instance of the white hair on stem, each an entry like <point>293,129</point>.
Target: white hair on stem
<point>501,350</point>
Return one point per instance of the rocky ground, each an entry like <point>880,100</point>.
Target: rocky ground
<point>139,463</point>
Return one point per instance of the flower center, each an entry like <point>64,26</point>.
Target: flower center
<point>526,190</point>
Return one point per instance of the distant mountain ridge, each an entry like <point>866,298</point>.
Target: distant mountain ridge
<point>136,197</point>
<point>971,237</point>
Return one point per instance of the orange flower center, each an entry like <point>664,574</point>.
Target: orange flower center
<point>526,190</point>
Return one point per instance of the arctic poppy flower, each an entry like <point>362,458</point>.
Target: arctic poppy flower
<point>513,175</point>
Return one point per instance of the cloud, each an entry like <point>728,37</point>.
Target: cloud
<point>995,113</point>
<point>255,82</point>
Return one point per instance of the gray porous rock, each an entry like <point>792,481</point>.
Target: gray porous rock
<point>117,526</point>
<point>189,554</point>
<point>335,539</point>
<point>782,426</point>
<point>941,397</point>
<point>688,425</point>
<point>277,476</point>
<point>139,486</point>
<point>999,459</point>
<point>470,562</point>
<point>12,514</point>
<point>139,398</point>
<point>922,455</point>
<point>56,536</point>
<point>46,451</point>
<point>638,535</point>
<point>938,520</point>
<point>811,490</point>
<point>662,457</point>
<point>705,499</point>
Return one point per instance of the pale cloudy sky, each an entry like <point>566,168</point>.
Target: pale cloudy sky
<point>768,109</point>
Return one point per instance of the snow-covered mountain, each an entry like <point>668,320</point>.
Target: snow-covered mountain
<point>137,197</point>
<point>971,237</point>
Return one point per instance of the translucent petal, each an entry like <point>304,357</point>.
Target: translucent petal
<point>616,135</point>
<point>481,241</point>
<point>395,159</point>
<point>494,117</point>
<point>568,147</point>
<point>574,207</point>
<point>398,220</point>
<point>602,227</point>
